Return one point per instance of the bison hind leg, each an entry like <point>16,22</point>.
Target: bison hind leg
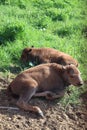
<point>23,102</point>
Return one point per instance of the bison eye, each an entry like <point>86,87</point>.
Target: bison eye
<point>72,76</point>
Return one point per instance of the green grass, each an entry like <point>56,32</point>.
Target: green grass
<point>61,24</point>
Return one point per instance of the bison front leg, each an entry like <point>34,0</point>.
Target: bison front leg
<point>52,96</point>
<point>23,102</point>
<point>43,94</point>
<point>49,95</point>
<point>23,105</point>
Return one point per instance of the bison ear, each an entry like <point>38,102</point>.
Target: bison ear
<point>77,65</point>
<point>63,68</point>
<point>68,69</point>
<point>29,50</point>
<point>32,46</point>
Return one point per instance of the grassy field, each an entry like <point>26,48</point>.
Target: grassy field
<point>60,24</point>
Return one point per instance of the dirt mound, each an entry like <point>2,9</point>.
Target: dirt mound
<point>56,117</point>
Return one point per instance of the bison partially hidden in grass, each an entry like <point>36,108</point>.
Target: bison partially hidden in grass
<point>49,80</point>
<point>47,55</point>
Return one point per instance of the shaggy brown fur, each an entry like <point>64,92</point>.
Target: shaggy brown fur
<point>47,55</point>
<point>49,80</point>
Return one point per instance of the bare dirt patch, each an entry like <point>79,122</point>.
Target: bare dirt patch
<point>73,117</point>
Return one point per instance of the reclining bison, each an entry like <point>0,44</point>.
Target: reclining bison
<point>47,55</point>
<point>49,80</point>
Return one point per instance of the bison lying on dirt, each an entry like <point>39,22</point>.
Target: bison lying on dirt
<point>48,80</point>
<point>47,55</point>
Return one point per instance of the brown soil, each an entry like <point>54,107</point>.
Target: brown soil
<point>56,116</point>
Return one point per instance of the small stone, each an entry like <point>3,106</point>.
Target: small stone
<point>72,116</point>
<point>9,119</point>
<point>59,118</point>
